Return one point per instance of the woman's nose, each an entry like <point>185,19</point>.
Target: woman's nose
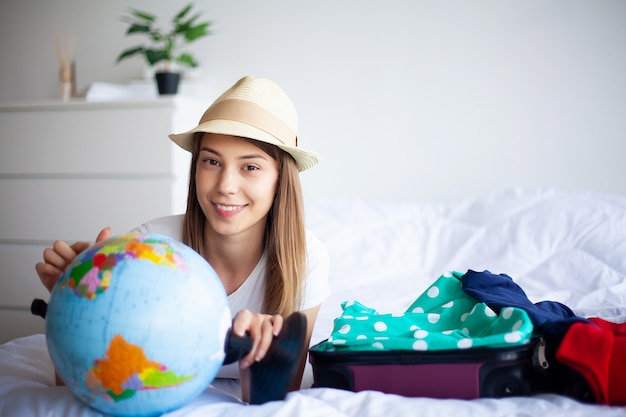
<point>228,181</point>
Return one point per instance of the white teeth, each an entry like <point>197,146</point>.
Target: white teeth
<point>226,208</point>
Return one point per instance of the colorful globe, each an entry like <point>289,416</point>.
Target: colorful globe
<point>137,325</point>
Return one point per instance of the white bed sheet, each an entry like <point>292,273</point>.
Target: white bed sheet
<point>566,246</point>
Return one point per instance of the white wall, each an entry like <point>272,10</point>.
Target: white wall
<point>409,99</point>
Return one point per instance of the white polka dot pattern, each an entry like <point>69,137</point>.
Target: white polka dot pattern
<point>443,317</point>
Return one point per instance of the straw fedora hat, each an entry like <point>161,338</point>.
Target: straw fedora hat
<point>254,108</point>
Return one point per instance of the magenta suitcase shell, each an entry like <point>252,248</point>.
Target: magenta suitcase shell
<point>463,374</point>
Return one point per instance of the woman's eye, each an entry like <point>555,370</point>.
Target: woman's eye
<point>210,161</point>
<point>250,168</point>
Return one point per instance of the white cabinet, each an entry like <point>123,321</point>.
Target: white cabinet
<point>69,169</point>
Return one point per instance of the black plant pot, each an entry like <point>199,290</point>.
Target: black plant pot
<point>167,82</point>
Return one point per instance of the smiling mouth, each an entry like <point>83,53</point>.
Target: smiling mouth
<point>228,210</point>
<point>224,207</point>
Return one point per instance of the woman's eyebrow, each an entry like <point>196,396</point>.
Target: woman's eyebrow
<point>253,156</point>
<point>210,150</point>
<point>248,156</point>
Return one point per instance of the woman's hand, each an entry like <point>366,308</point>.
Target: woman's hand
<point>261,328</point>
<point>59,256</point>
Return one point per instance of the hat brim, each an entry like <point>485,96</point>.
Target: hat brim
<point>304,159</point>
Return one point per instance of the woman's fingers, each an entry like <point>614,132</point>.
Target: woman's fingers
<point>262,328</point>
<point>48,274</point>
<point>59,256</point>
<point>56,260</point>
<point>270,327</point>
<point>104,234</point>
<point>277,324</point>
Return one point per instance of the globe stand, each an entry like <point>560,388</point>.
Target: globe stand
<point>271,378</point>
<point>39,307</point>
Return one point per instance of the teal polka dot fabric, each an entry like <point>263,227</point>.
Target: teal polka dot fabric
<point>444,317</point>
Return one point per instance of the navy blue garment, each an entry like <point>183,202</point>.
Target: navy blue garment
<point>499,291</point>
<point>550,318</point>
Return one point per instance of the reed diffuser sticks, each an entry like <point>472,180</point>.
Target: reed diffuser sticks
<point>67,71</point>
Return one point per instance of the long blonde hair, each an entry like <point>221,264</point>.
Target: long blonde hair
<point>285,238</point>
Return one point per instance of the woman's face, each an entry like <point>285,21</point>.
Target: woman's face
<point>236,183</point>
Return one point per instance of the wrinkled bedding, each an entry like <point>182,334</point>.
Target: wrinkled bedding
<point>566,246</point>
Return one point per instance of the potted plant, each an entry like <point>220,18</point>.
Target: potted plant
<point>165,46</point>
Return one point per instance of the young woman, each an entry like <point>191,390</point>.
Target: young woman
<point>244,216</point>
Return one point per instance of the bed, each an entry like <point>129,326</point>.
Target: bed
<point>560,245</point>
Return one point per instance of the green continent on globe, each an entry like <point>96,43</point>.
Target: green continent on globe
<point>92,273</point>
<point>125,369</point>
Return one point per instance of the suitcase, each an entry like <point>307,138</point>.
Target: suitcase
<point>464,374</point>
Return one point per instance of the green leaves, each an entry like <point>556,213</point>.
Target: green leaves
<point>137,28</point>
<point>165,45</point>
<point>154,56</point>
<point>187,59</point>
<point>196,32</point>
<point>183,12</point>
<point>130,52</point>
<point>143,15</point>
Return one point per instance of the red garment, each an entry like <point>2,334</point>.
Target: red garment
<point>598,352</point>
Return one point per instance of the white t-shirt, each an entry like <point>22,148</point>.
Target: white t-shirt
<point>250,294</point>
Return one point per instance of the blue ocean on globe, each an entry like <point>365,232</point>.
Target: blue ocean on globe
<point>137,325</point>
